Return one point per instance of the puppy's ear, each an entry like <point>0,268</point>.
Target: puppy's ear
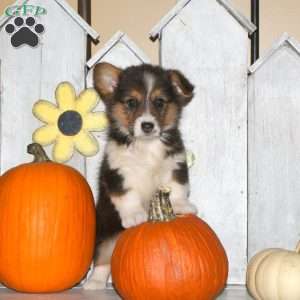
<point>183,88</point>
<point>106,79</point>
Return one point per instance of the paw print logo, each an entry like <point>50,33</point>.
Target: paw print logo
<point>24,31</point>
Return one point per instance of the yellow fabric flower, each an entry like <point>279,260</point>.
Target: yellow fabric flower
<point>68,125</point>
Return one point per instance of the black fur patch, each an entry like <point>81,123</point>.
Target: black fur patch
<point>108,219</point>
<point>172,138</point>
<point>118,136</point>
<point>181,175</point>
<point>111,179</point>
<point>133,78</point>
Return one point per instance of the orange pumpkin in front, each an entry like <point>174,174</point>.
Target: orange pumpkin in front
<point>181,258</point>
<point>47,227</point>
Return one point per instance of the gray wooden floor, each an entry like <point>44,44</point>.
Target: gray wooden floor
<point>231,293</point>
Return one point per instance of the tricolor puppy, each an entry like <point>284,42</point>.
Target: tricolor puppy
<point>144,151</point>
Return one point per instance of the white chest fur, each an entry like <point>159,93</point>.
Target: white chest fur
<point>143,164</point>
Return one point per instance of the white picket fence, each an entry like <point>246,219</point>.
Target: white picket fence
<point>243,124</point>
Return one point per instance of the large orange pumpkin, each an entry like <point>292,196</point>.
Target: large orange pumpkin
<point>169,258</point>
<point>47,226</point>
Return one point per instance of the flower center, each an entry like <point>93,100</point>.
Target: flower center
<point>70,122</point>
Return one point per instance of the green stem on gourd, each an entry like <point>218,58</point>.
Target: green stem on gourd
<point>38,152</point>
<point>298,248</point>
<point>160,207</point>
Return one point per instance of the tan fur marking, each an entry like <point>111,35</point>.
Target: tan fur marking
<point>171,115</point>
<point>157,93</point>
<point>136,94</point>
<point>171,110</point>
<point>120,114</point>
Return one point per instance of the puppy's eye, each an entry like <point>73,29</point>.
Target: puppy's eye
<point>131,103</point>
<point>159,103</point>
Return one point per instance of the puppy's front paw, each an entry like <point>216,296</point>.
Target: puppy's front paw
<point>184,208</point>
<point>98,279</point>
<point>94,284</point>
<point>134,218</point>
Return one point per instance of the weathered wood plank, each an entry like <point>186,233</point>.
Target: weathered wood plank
<point>77,18</point>
<point>274,148</point>
<point>63,59</point>
<point>285,38</point>
<point>30,74</point>
<point>241,19</point>
<point>214,125</point>
<point>20,81</point>
<point>64,5</point>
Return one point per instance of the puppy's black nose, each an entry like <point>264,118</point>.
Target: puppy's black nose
<point>147,127</point>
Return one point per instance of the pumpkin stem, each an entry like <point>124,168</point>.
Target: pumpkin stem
<point>160,206</point>
<point>298,248</point>
<point>38,152</point>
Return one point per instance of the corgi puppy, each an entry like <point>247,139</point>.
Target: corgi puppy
<point>144,151</point>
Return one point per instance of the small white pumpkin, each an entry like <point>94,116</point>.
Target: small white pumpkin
<point>274,274</point>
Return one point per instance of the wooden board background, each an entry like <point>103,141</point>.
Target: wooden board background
<point>215,124</point>
<point>274,151</point>
<point>29,74</point>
